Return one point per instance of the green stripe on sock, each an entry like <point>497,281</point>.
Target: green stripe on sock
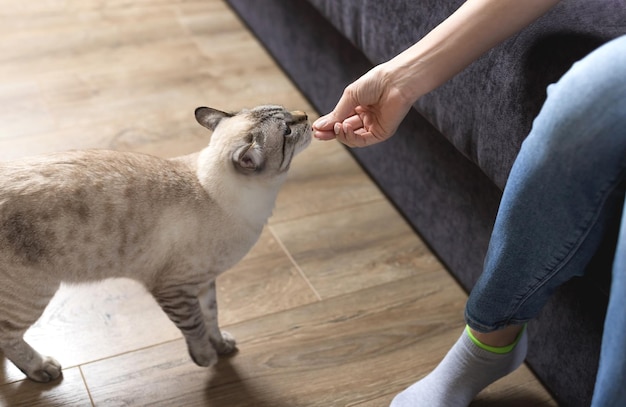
<point>494,349</point>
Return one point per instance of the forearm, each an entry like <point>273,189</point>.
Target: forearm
<point>476,27</point>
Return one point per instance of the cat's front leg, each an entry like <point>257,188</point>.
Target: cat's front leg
<point>182,306</point>
<point>37,367</point>
<point>223,342</point>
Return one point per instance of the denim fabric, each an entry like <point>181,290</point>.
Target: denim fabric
<point>610,387</point>
<point>565,184</point>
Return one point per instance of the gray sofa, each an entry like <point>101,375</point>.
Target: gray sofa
<point>446,167</point>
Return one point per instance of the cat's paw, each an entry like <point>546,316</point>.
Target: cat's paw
<point>227,345</point>
<point>48,370</point>
<point>205,356</point>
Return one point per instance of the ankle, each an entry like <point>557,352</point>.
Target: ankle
<point>501,341</point>
<point>463,373</point>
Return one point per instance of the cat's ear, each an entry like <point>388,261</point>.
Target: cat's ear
<point>209,117</point>
<point>248,159</point>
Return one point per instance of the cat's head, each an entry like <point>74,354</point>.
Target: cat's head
<point>259,141</point>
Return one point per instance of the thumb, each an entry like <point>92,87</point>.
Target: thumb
<point>344,109</point>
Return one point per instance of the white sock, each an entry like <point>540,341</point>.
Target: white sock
<point>462,374</point>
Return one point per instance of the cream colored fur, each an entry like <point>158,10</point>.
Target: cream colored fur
<point>173,225</point>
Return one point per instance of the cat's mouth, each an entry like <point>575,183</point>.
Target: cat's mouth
<point>298,139</point>
<point>299,120</point>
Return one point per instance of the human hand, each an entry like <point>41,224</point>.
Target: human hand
<point>369,111</point>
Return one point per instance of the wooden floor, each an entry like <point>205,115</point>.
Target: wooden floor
<point>339,304</point>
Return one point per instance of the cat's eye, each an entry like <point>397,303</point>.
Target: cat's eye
<point>287,131</point>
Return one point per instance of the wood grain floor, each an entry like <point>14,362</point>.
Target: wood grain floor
<point>339,304</point>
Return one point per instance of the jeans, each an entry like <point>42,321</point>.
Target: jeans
<point>565,185</point>
<point>610,387</point>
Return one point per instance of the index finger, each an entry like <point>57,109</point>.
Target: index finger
<point>344,109</point>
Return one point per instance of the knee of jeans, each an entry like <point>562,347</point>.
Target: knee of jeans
<point>582,113</point>
<point>591,94</point>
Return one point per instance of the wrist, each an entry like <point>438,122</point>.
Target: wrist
<point>406,78</point>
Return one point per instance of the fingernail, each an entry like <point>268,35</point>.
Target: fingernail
<point>337,128</point>
<point>321,123</point>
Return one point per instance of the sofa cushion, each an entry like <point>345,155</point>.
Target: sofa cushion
<point>444,195</point>
<point>488,109</point>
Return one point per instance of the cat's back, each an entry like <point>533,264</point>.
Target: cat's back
<point>94,171</point>
<point>103,202</point>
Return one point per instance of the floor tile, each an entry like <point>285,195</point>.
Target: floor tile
<point>91,322</point>
<point>70,390</point>
<point>321,354</point>
<point>323,178</point>
<point>264,282</point>
<point>355,248</point>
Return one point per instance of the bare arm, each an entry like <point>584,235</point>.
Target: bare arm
<point>476,27</point>
<point>372,107</point>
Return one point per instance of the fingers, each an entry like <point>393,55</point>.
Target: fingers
<point>346,134</point>
<point>355,122</point>
<point>352,131</point>
<point>330,132</point>
<point>346,105</point>
<point>323,128</point>
<point>344,120</point>
<point>351,137</point>
<point>344,109</point>
<point>324,135</point>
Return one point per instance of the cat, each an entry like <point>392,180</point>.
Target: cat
<point>173,225</point>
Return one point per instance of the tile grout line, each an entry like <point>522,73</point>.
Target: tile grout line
<point>293,261</point>
<point>338,209</point>
<point>123,353</point>
<point>82,375</point>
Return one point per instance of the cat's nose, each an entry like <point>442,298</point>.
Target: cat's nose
<point>298,116</point>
